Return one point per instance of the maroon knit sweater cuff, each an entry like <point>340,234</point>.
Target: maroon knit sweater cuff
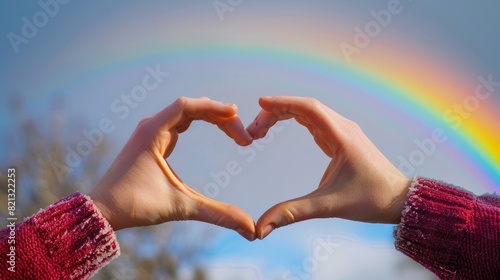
<point>76,236</point>
<point>434,224</point>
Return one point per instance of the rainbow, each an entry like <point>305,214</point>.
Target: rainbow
<point>476,141</point>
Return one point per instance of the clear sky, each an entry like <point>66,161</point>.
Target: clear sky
<point>395,67</point>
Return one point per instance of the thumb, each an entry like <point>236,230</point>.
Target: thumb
<point>227,216</point>
<point>289,212</point>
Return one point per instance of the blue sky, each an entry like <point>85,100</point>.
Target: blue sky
<point>93,53</point>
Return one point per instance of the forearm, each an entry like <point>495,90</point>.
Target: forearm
<point>68,240</point>
<point>450,231</point>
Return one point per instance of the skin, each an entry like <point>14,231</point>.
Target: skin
<point>141,189</point>
<point>359,184</point>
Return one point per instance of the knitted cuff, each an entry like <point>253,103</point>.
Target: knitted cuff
<point>434,224</point>
<point>76,236</point>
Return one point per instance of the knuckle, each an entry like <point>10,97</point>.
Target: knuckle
<point>220,221</point>
<point>311,105</point>
<point>353,125</point>
<point>145,128</point>
<point>352,133</point>
<point>143,122</point>
<point>288,214</point>
<point>313,102</point>
<point>181,102</point>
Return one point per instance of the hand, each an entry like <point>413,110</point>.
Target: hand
<point>141,189</point>
<point>359,183</point>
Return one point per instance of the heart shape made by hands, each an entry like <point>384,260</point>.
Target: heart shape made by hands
<point>342,192</point>
<point>140,188</point>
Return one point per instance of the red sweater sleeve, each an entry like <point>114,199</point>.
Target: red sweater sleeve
<point>68,240</point>
<point>450,231</point>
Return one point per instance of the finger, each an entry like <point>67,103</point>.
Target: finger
<point>326,126</point>
<point>307,110</point>
<point>289,212</point>
<point>212,211</point>
<point>184,125</point>
<point>233,127</point>
<point>223,115</point>
<point>188,109</point>
<point>284,214</point>
<point>262,123</point>
<point>225,215</point>
<point>183,111</point>
<point>324,202</point>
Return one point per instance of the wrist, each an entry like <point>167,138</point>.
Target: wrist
<point>397,205</point>
<point>104,210</point>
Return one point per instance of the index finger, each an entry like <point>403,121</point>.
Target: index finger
<point>186,109</point>
<point>307,111</point>
<point>183,111</point>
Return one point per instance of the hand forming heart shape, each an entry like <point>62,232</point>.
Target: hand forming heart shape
<point>141,189</point>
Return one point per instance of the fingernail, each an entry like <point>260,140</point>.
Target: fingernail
<point>249,138</point>
<point>247,235</point>
<point>266,231</point>
<point>266,97</point>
